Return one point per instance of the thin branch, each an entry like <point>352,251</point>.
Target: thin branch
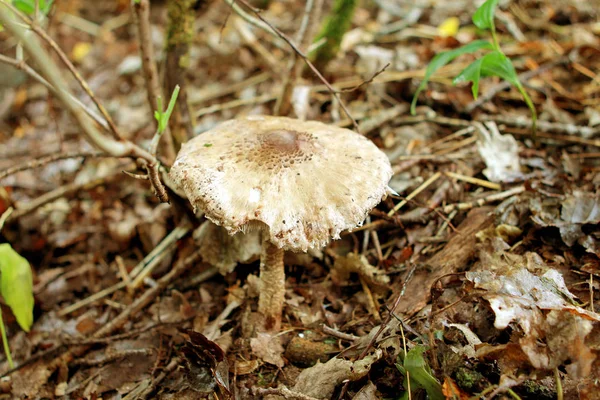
<point>19,64</point>
<point>31,164</point>
<point>585,132</point>
<point>306,60</point>
<point>142,11</point>
<point>249,19</point>
<point>61,54</point>
<point>116,148</point>
<point>148,296</point>
<point>368,81</point>
<point>56,194</point>
<point>294,70</point>
<point>384,325</point>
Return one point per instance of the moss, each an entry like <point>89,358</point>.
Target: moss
<point>181,22</point>
<point>470,380</point>
<point>336,25</point>
<point>536,390</point>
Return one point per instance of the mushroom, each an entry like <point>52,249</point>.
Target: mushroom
<point>300,183</point>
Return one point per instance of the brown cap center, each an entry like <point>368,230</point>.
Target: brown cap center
<point>282,140</point>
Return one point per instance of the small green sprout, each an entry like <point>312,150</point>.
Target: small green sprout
<point>162,117</point>
<point>494,63</point>
<point>414,367</point>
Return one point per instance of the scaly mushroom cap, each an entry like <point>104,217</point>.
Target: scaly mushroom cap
<point>301,182</point>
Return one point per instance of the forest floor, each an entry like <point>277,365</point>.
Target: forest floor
<point>480,280</point>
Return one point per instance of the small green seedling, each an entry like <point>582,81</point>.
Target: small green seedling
<point>16,288</point>
<point>415,369</point>
<point>494,63</point>
<point>162,117</point>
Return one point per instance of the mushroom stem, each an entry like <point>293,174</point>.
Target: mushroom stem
<point>272,277</point>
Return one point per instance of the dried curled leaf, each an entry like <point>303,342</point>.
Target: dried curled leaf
<point>524,291</point>
<point>576,216</point>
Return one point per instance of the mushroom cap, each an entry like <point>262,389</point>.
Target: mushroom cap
<point>300,182</point>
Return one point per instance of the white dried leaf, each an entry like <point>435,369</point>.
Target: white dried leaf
<point>500,154</point>
<point>523,290</point>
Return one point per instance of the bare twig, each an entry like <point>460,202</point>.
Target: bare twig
<point>63,57</point>
<point>251,20</point>
<point>488,199</point>
<point>418,190</point>
<point>294,70</point>
<point>111,357</point>
<point>585,132</point>
<point>20,64</point>
<point>306,60</point>
<point>145,299</point>
<point>142,11</point>
<point>58,193</point>
<point>385,323</point>
<point>31,164</point>
<point>117,148</point>
<point>147,264</point>
<point>338,334</point>
<point>5,216</point>
<point>375,75</point>
<point>172,366</point>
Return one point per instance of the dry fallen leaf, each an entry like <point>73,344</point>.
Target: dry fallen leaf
<point>523,290</point>
<point>223,251</point>
<point>368,392</point>
<point>358,263</point>
<point>321,380</point>
<point>577,216</point>
<point>268,348</point>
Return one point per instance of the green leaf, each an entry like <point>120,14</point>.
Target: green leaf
<point>497,64</point>
<point>484,16</point>
<point>28,6</point>
<point>420,373</point>
<point>471,74</point>
<point>444,58</point>
<point>16,285</point>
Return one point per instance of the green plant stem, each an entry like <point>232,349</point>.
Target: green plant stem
<point>495,38</point>
<point>5,343</point>
<point>559,388</point>
<point>531,106</point>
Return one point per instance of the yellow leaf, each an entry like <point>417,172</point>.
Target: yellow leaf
<point>80,50</point>
<point>449,28</point>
